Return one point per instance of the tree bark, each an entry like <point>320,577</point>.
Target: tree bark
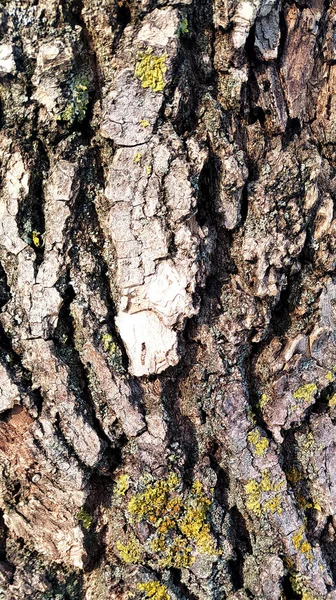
<point>167,288</point>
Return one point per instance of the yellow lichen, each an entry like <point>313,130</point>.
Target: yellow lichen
<point>36,239</point>
<point>330,376</point>
<point>144,123</point>
<point>332,401</point>
<point>154,590</point>
<point>302,545</point>
<point>137,158</point>
<point>263,401</point>
<point>130,552</point>
<point>298,585</point>
<point>305,392</point>
<point>108,344</point>
<point>178,554</point>
<point>148,169</point>
<point>256,491</point>
<point>122,485</point>
<point>150,70</point>
<point>179,518</point>
<point>260,443</point>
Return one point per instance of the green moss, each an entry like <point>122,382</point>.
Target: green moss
<point>305,392</point>
<point>150,69</point>
<point>154,590</point>
<point>85,518</point>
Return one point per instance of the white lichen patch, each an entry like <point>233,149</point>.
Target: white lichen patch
<point>7,62</point>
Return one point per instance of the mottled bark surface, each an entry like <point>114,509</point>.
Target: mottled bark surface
<point>168,320</point>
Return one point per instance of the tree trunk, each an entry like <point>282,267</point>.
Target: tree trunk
<point>168,320</point>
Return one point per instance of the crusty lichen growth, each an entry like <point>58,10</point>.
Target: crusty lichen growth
<point>77,108</point>
<point>112,348</point>
<point>264,400</point>
<point>122,485</point>
<point>150,69</point>
<point>302,545</point>
<point>37,239</point>
<point>154,590</point>
<point>332,401</point>
<point>179,520</point>
<point>305,392</point>
<point>130,552</point>
<point>301,589</point>
<point>260,444</point>
<point>257,492</point>
<point>85,518</point>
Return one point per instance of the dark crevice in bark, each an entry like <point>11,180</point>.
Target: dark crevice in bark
<point>30,216</point>
<point>289,593</point>
<point>66,351</point>
<point>5,294</point>
<point>181,430</point>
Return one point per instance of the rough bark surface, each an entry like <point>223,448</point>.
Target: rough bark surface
<point>168,300</point>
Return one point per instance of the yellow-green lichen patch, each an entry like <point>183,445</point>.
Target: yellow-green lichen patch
<point>257,492</point>
<point>300,588</point>
<point>122,485</point>
<point>85,518</point>
<point>332,401</point>
<point>179,519</point>
<point>183,27</point>
<point>260,444</point>
<point>144,123</point>
<point>150,69</point>
<point>154,590</point>
<point>302,545</point>
<point>112,348</point>
<point>130,552</point>
<point>264,400</point>
<point>330,376</point>
<point>77,108</point>
<point>305,392</point>
<point>108,344</point>
<point>137,158</point>
<point>37,239</point>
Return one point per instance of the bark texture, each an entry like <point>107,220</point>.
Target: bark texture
<point>168,300</point>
